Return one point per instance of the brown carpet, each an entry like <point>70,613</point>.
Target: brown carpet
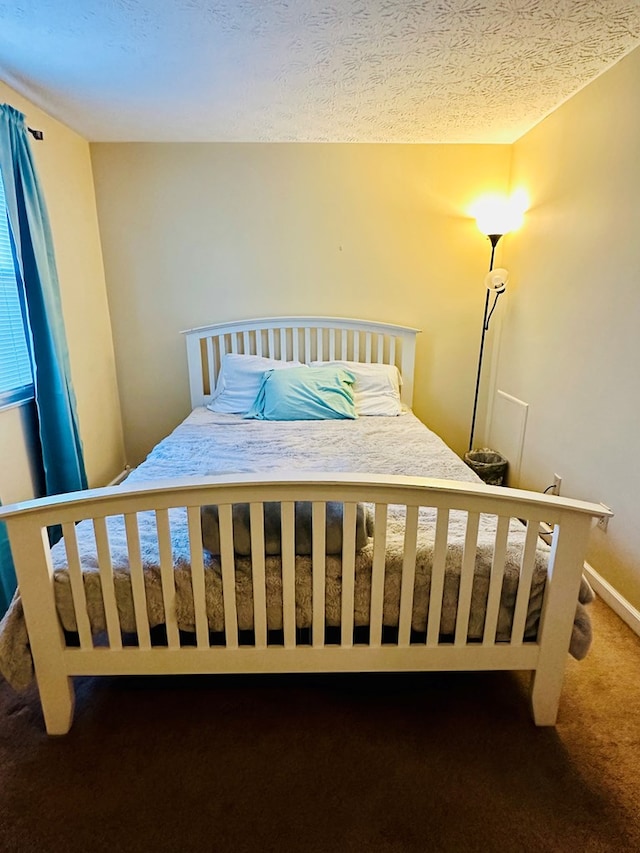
<point>430,762</point>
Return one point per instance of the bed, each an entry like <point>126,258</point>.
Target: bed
<point>245,543</point>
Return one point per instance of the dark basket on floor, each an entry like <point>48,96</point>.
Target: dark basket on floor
<point>489,465</point>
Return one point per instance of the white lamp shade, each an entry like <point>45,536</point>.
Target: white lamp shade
<point>498,215</point>
<point>497,280</point>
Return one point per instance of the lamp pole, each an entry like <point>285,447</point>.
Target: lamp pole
<point>494,242</point>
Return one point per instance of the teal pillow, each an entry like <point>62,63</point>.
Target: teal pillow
<point>305,394</point>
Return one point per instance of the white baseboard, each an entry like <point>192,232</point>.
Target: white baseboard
<point>620,606</point>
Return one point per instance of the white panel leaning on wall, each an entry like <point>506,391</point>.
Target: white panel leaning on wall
<point>507,426</point>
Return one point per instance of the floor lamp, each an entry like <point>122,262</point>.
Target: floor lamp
<point>496,284</point>
<point>495,217</point>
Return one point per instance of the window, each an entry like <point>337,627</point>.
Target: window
<point>16,376</point>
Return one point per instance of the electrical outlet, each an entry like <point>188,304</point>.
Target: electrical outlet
<point>557,482</point>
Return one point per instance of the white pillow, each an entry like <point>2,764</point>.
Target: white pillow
<point>376,390</point>
<point>239,381</point>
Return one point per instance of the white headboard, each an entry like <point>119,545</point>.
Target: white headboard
<point>302,339</point>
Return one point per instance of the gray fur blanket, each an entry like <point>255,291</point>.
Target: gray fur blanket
<point>206,444</point>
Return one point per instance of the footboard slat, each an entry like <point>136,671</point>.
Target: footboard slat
<point>77,585</point>
<point>377,575</point>
<point>348,573</point>
<point>256,512</point>
<point>495,581</point>
<point>408,575</point>
<point>524,584</point>
<point>318,573</point>
<point>137,581</point>
<point>167,577</point>
<point>437,577</point>
<point>197,575</point>
<point>466,579</point>
<point>106,581</point>
<point>228,576</point>
<point>288,574</point>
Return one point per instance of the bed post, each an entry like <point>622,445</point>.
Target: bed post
<point>407,367</point>
<point>194,361</point>
<point>32,558</point>
<point>556,620</point>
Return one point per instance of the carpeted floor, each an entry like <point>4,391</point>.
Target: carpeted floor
<point>431,762</point>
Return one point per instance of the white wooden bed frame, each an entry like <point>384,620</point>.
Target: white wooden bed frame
<point>305,339</point>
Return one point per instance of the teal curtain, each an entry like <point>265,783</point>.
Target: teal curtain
<point>7,572</point>
<point>61,448</point>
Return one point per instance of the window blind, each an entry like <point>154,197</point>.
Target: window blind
<point>16,378</point>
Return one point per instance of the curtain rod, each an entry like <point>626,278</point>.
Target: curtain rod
<point>37,134</point>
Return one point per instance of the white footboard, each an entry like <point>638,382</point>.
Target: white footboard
<point>290,650</point>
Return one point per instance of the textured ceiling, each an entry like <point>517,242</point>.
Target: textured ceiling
<point>309,70</point>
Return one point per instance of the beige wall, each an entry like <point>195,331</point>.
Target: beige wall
<point>571,336</point>
<point>64,168</point>
<point>194,234</point>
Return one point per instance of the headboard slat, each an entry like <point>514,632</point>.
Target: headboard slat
<point>367,347</point>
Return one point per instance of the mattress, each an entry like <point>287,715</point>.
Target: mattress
<point>207,444</point>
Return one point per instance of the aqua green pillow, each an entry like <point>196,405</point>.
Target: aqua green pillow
<point>305,394</point>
